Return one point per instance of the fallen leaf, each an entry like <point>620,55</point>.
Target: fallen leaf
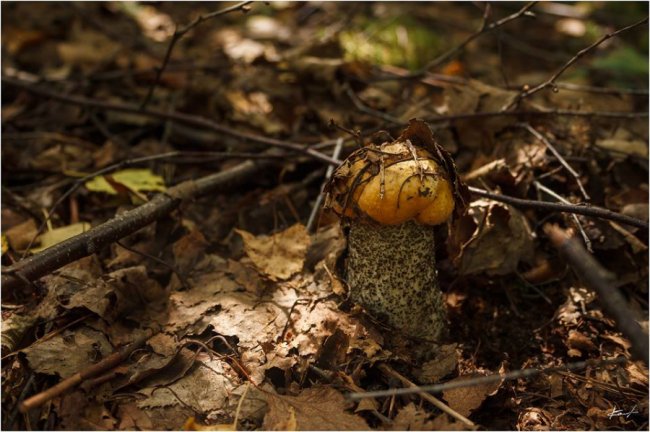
<point>441,365</point>
<point>132,179</point>
<point>467,399</point>
<point>69,352</point>
<point>279,256</point>
<point>21,235</point>
<point>499,240</point>
<point>317,408</point>
<point>579,341</point>
<point>57,235</point>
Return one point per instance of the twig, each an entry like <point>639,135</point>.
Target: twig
<point>485,28</point>
<point>601,90</point>
<point>426,396</point>
<point>330,169</point>
<point>604,283</point>
<point>509,376</point>
<point>108,363</point>
<point>550,82</point>
<point>586,210</point>
<point>95,239</point>
<point>187,119</point>
<point>559,157</point>
<point>585,237</point>
<point>179,33</point>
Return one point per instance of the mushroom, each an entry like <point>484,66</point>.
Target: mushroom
<point>390,196</point>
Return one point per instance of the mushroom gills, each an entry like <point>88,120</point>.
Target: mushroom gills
<point>391,273</point>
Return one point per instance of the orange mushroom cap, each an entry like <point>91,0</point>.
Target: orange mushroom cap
<point>392,184</point>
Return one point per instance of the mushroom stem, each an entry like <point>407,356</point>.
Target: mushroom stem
<point>391,272</point>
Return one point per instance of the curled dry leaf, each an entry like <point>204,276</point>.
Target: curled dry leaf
<point>279,256</point>
<point>319,408</point>
<point>492,237</point>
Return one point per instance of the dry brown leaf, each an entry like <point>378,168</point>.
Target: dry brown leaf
<point>500,239</point>
<point>319,408</point>
<point>279,256</point>
<point>204,389</point>
<point>189,250</point>
<point>441,365</point>
<point>133,418</point>
<point>411,418</point>
<point>466,399</point>
<point>21,235</point>
<point>579,341</point>
<point>69,352</point>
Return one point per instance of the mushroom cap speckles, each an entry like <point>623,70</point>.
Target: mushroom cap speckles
<point>388,185</point>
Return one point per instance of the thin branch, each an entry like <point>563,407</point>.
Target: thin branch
<point>601,90</point>
<point>475,381</point>
<point>559,157</point>
<point>178,34</point>
<point>482,30</point>
<point>585,237</point>
<point>550,82</point>
<point>586,210</point>
<point>107,363</point>
<point>96,238</point>
<point>597,278</point>
<point>330,169</point>
<point>187,119</point>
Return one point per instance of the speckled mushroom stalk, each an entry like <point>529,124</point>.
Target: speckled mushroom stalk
<point>391,195</point>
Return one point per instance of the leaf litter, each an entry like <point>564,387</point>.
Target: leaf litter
<point>253,328</point>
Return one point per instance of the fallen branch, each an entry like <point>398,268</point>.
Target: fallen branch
<point>585,210</point>
<point>597,278</point>
<point>179,33</point>
<point>187,119</point>
<point>474,381</point>
<point>92,241</point>
<point>550,82</point>
<point>108,363</point>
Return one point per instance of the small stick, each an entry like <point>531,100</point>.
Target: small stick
<point>509,376</point>
<point>426,396</point>
<point>586,210</point>
<point>597,278</point>
<point>559,157</point>
<point>319,200</point>
<point>550,82</point>
<point>108,363</point>
<point>179,33</point>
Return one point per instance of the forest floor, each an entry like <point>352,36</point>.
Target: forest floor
<point>220,304</point>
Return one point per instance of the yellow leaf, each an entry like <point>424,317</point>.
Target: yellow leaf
<point>58,235</point>
<point>133,179</point>
<point>5,244</point>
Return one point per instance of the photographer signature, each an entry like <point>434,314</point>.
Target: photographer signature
<point>619,412</point>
